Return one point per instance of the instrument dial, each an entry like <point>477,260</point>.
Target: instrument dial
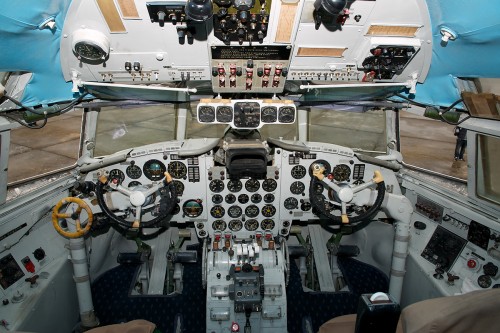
<point>217,199</point>
<point>298,172</point>
<point>324,164</point>
<point>252,211</point>
<point>252,185</point>
<point>133,184</point>
<point>230,198</point>
<point>297,187</point>
<point>267,224</point>
<point>234,211</point>
<point>341,172</point>
<point>154,170</point>
<point>242,198</point>
<point>117,174</point>
<point>268,198</point>
<point>217,211</point>
<point>251,225</point>
<point>133,171</point>
<point>286,114</point>
<point>224,114</point>
<point>234,186</point>
<point>256,198</point>
<point>291,203</point>
<point>216,186</point>
<point>268,210</point>
<point>192,208</point>
<point>269,114</point>
<point>235,225</point>
<point>177,169</point>
<point>90,51</point>
<point>484,281</point>
<point>269,185</point>
<point>179,187</point>
<point>206,114</point>
<point>219,225</point>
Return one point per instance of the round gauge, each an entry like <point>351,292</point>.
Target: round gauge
<point>133,184</point>
<point>217,199</point>
<point>251,225</point>
<point>286,114</point>
<point>117,174</point>
<point>298,172</point>
<point>252,211</point>
<point>177,169</point>
<point>305,206</point>
<point>252,185</point>
<point>341,172</point>
<point>217,211</point>
<point>224,114</point>
<point>206,114</point>
<point>269,114</point>
<point>291,203</point>
<point>216,185</point>
<point>234,186</point>
<point>324,164</point>
<point>267,224</point>
<point>297,187</point>
<point>242,198</point>
<point>90,45</point>
<point>268,198</point>
<point>269,185</point>
<point>319,188</point>
<point>133,171</point>
<point>154,170</point>
<point>219,225</point>
<point>243,4</point>
<point>235,225</point>
<point>256,198</point>
<point>230,198</point>
<point>234,211</point>
<point>179,187</point>
<point>268,210</point>
<point>192,208</point>
<point>484,281</point>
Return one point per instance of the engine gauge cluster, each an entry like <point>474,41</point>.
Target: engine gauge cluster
<point>246,114</point>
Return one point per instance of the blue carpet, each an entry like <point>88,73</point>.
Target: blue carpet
<point>114,304</point>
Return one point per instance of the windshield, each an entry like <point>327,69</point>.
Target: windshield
<point>120,127</point>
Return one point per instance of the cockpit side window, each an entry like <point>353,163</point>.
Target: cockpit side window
<point>433,145</point>
<point>37,152</point>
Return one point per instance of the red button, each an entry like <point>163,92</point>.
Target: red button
<point>235,327</point>
<point>471,263</point>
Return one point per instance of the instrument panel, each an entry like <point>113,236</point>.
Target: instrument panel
<point>217,203</point>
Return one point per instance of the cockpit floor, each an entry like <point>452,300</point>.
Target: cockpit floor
<point>114,304</point>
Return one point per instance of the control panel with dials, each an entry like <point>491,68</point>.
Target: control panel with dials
<point>246,114</point>
<point>241,205</point>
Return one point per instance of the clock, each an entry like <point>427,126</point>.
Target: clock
<point>90,45</point>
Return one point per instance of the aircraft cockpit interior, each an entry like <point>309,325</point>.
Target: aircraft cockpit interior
<point>284,166</point>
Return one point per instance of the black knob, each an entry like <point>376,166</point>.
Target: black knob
<point>5,301</point>
<point>39,254</point>
<point>161,18</point>
<point>137,66</point>
<point>128,66</point>
<point>218,275</point>
<point>490,269</point>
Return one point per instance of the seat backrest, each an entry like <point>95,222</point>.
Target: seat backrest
<point>477,311</point>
